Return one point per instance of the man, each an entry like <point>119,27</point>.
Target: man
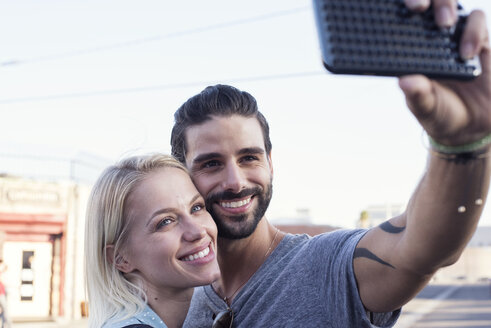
<point>347,278</point>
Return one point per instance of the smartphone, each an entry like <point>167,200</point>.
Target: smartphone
<point>384,38</point>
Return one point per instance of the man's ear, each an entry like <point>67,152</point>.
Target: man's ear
<point>118,260</point>
<point>270,161</point>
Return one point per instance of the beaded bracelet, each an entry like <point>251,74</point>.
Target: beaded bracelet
<point>467,148</point>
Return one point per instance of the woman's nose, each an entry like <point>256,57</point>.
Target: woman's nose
<point>193,230</point>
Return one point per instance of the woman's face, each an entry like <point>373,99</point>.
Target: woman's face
<point>172,238</point>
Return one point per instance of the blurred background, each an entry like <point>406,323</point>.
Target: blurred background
<point>85,83</point>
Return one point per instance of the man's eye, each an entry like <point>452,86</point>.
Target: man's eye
<point>196,208</point>
<point>249,158</point>
<point>210,164</point>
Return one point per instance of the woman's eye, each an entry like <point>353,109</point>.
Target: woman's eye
<point>196,208</point>
<point>164,222</point>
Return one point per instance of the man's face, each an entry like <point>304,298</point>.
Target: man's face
<point>230,168</point>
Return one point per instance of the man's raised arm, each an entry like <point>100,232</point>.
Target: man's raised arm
<point>395,260</point>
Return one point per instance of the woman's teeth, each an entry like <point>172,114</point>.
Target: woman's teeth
<point>198,255</point>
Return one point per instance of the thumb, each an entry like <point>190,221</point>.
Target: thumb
<point>438,109</point>
<point>420,96</point>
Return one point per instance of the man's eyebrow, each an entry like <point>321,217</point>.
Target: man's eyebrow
<point>205,157</point>
<point>244,151</point>
<point>251,150</point>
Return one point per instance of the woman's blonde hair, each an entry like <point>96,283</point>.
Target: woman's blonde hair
<point>109,292</point>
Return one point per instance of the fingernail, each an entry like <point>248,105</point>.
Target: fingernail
<point>417,4</point>
<point>467,50</point>
<point>444,16</point>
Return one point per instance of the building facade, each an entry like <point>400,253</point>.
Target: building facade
<point>374,215</point>
<point>42,224</point>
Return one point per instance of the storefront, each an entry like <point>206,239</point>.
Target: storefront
<point>42,246</point>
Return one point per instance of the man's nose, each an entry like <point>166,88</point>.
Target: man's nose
<point>234,178</point>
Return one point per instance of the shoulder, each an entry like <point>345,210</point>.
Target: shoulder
<point>304,246</point>
<point>145,318</point>
<point>342,235</point>
<point>340,238</point>
<point>299,251</point>
<point>204,304</point>
<point>204,298</point>
<point>121,322</point>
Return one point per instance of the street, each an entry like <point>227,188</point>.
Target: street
<point>466,305</point>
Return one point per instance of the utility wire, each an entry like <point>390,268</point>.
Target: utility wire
<point>54,158</point>
<point>161,87</point>
<point>156,38</point>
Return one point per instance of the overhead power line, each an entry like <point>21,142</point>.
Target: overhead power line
<point>79,52</point>
<point>161,87</point>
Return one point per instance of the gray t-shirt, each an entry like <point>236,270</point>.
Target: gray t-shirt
<point>305,282</point>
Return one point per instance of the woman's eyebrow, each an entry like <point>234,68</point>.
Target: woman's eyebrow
<point>170,209</point>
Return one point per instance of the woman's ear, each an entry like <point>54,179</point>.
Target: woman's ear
<point>118,260</point>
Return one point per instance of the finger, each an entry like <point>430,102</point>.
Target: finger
<point>419,96</point>
<point>418,5</point>
<point>440,111</point>
<point>475,37</point>
<point>445,12</point>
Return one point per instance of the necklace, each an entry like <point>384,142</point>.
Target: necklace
<point>272,243</point>
<point>227,299</point>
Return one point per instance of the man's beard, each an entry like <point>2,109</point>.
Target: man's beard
<point>240,225</point>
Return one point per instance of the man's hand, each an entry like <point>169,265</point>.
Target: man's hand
<point>445,208</point>
<point>454,113</point>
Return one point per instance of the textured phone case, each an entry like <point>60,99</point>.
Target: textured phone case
<point>382,37</point>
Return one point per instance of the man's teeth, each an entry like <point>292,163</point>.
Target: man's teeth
<point>198,255</point>
<point>235,204</point>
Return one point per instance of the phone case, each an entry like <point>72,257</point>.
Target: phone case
<point>382,37</point>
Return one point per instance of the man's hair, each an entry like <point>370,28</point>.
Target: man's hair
<point>107,223</point>
<point>217,100</point>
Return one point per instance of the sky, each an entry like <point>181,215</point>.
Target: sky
<point>104,77</point>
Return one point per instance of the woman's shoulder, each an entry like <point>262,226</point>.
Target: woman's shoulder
<point>144,319</point>
<point>131,322</point>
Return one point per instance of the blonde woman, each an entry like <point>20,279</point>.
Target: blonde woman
<point>148,241</point>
